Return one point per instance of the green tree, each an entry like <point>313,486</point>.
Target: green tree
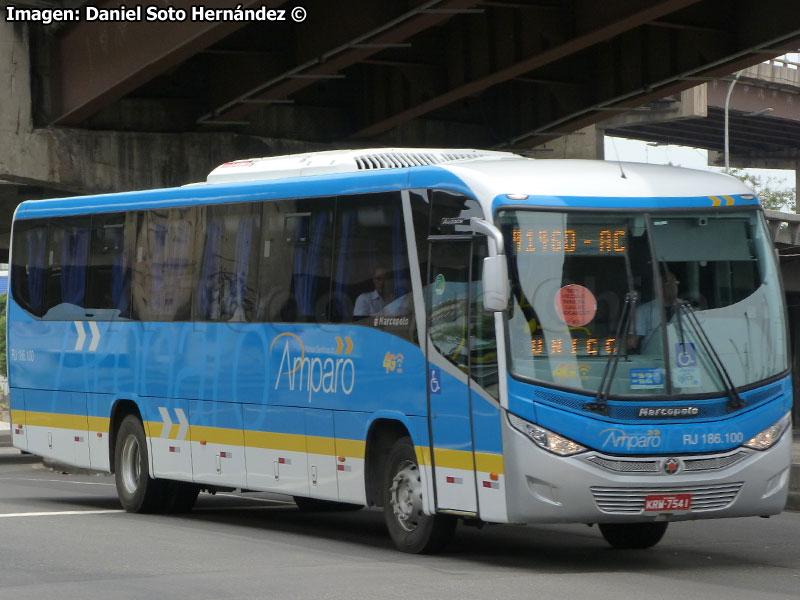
<point>766,188</point>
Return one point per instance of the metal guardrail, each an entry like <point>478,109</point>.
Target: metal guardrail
<point>782,61</point>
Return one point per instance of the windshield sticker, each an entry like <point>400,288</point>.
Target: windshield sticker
<point>575,305</point>
<point>685,355</point>
<point>568,371</point>
<point>686,377</point>
<point>647,379</point>
<point>438,284</point>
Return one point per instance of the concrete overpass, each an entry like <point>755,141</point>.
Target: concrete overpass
<point>103,106</point>
<point>764,118</point>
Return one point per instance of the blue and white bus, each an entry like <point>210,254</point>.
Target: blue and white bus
<point>447,334</point>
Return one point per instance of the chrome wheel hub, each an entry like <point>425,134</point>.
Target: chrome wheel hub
<point>405,496</point>
<point>131,464</point>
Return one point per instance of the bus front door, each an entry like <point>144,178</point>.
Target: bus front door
<point>448,352</point>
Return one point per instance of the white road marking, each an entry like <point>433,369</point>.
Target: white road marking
<point>60,513</point>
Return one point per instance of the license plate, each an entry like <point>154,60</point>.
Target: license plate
<point>668,502</point>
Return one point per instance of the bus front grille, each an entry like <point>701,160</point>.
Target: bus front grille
<point>630,500</point>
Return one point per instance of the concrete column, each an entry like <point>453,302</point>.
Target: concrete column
<point>86,161</point>
<point>585,143</point>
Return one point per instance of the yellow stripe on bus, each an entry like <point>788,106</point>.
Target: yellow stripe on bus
<point>153,428</point>
<point>275,441</point>
<point>489,463</point>
<point>57,421</point>
<point>101,424</point>
<point>450,459</point>
<point>351,448</point>
<point>216,435</point>
<point>486,462</point>
<point>321,445</point>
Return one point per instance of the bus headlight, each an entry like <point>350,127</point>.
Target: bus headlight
<point>767,438</point>
<point>544,438</point>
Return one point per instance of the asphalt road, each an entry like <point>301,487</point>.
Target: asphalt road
<point>64,536</point>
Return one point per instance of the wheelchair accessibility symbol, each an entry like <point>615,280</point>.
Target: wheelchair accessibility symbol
<point>685,355</point>
<point>435,384</point>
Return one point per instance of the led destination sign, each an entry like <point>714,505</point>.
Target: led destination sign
<point>583,346</point>
<point>586,240</point>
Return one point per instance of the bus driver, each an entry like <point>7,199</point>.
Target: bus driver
<point>371,303</point>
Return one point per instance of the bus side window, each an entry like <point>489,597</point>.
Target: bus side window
<point>370,270</point>
<point>295,256</point>
<point>483,341</point>
<point>65,268</point>
<point>226,289</point>
<point>167,251</point>
<point>28,265</point>
<point>109,268</point>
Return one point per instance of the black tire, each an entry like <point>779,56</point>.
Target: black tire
<point>317,505</point>
<point>137,491</point>
<point>633,536</point>
<point>411,529</point>
<point>179,497</point>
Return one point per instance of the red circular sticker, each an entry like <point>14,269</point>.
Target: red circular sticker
<point>576,305</point>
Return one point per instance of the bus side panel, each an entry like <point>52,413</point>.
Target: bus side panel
<point>217,442</point>
<point>275,447</point>
<point>167,428</point>
<point>490,470</point>
<point>99,412</point>
<point>351,441</point>
<point>418,428</point>
<point>57,426</point>
<point>453,454</point>
<point>321,447</point>
<point>340,367</point>
<point>19,435</point>
<point>220,361</point>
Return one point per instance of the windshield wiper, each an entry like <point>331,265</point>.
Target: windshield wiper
<point>600,404</point>
<point>735,401</point>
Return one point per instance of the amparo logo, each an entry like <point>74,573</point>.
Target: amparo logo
<point>299,372</point>
<point>621,440</point>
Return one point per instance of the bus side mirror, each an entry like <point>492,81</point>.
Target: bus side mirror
<point>495,283</point>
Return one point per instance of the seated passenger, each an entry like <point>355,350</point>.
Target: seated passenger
<point>371,303</point>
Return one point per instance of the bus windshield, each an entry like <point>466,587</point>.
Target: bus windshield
<point>680,304</point>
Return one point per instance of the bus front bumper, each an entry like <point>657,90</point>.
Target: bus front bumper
<point>593,487</point>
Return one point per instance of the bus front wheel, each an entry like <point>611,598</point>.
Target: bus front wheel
<point>633,536</point>
<point>137,491</point>
<point>411,529</point>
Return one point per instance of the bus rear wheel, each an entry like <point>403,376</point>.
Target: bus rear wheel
<point>411,529</point>
<point>633,536</point>
<point>137,491</point>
